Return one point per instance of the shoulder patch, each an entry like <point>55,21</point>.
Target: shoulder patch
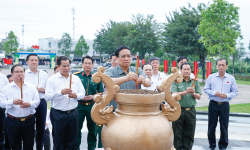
<point>76,72</point>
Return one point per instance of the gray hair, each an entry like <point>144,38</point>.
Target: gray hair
<point>154,58</point>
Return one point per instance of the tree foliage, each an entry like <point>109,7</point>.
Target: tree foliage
<point>181,34</point>
<point>11,44</point>
<point>141,35</point>
<point>65,44</point>
<point>217,28</point>
<point>81,47</point>
<point>144,36</point>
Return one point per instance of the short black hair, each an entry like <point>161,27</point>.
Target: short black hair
<point>185,64</point>
<point>112,55</point>
<point>55,68</point>
<point>117,51</point>
<point>221,60</point>
<point>154,58</point>
<point>88,57</point>
<point>59,60</point>
<point>182,57</point>
<point>146,64</point>
<point>8,76</point>
<point>13,68</point>
<point>27,58</point>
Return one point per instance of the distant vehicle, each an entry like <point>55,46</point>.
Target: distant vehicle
<point>79,65</point>
<point>73,65</point>
<point>72,71</point>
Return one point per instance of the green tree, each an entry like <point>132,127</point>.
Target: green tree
<point>81,47</point>
<point>65,44</point>
<point>238,53</point>
<point>181,36</point>
<point>111,36</point>
<point>11,44</point>
<point>144,36</point>
<point>1,46</point>
<point>249,46</point>
<point>217,28</point>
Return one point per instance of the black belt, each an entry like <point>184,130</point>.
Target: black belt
<point>187,108</point>
<point>218,103</point>
<point>42,99</point>
<point>85,103</point>
<point>67,111</point>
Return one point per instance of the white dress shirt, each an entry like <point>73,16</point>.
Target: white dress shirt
<point>11,92</point>
<point>153,86</point>
<point>55,84</point>
<point>3,81</point>
<point>32,78</point>
<point>192,76</point>
<point>48,122</point>
<point>160,76</point>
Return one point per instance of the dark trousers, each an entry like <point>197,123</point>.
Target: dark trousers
<point>99,133</point>
<point>47,144</point>
<point>65,127</point>
<point>84,111</point>
<point>21,131</point>
<point>41,112</point>
<point>215,111</point>
<point>184,129</point>
<point>51,120</point>
<point>2,122</point>
<point>7,143</point>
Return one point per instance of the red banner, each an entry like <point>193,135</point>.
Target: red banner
<point>142,61</point>
<point>165,66</point>
<point>209,65</point>
<point>195,67</point>
<point>173,63</point>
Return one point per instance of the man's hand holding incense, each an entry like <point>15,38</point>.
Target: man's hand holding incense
<point>66,91</point>
<point>141,79</point>
<point>131,76</point>
<point>17,101</point>
<point>72,95</point>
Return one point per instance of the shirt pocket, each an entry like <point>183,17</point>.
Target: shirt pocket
<point>181,88</point>
<point>93,86</point>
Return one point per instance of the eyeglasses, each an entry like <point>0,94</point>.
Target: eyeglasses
<point>18,71</point>
<point>221,65</point>
<point>125,55</point>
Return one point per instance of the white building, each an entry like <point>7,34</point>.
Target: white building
<point>51,44</point>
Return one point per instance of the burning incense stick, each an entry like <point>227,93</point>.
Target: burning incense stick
<point>137,64</point>
<point>21,87</point>
<point>195,78</point>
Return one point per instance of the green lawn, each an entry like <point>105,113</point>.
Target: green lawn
<point>237,81</point>
<point>48,105</point>
<point>238,108</point>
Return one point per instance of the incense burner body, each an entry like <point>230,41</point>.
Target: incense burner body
<point>137,123</point>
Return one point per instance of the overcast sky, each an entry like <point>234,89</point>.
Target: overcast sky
<point>51,18</point>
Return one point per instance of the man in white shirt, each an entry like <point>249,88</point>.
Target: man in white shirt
<point>157,75</point>
<point>148,70</point>
<point>64,112</point>
<point>3,82</point>
<point>20,103</point>
<point>38,78</point>
<point>181,60</point>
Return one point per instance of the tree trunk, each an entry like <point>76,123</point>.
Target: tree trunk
<point>202,60</point>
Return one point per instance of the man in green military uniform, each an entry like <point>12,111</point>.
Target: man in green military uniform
<point>184,127</point>
<point>85,105</point>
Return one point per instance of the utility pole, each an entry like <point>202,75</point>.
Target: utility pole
<point>23,34</point>
<point>73,11</point>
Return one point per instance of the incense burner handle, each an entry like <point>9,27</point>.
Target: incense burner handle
<point>100,112</point>
<point>173,110</point>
